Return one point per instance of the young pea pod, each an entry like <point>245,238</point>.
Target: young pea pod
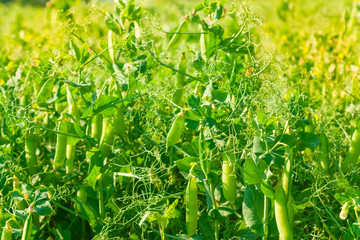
<point>281,214</point>
<point>96,127</point>
<point>30,153</point>
<point>202,44</point>
<point>228,180</point>
<point>176,130</point>
<point>324,152</point>
<point>70,157</point>
<point>180,80</point>
<point>354,152</point>
<point>26,235</point>
<point>179,35</point>
<point>191,207</point>
<point>71,148</point>
<point>61,142</point>
<point>107,138</point>
<point>178,97</point>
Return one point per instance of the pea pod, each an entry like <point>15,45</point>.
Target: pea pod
<point>61,141</point>
<point>191,207</point>
<point>178,36</point>
<point>26,235</point>
<point>178,97</point>
<point>180,80</point>
<point>30,153</point>
<point>354,151</point>
<point>176,130</point>
<point>281,214</point>
<point>324,152</point>
<point>96,127</point>
<point>107,138</point>
<point>70,157</point>
<point>228,180</point>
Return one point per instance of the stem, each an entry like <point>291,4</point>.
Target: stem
<point>266,215</point>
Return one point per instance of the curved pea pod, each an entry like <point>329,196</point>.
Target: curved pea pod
<point>61,142</point>
<point>324,152</point>
<point>354,151</point>
<point>107,137</point>
<point>26,235</point>
<point>228,180</point>
<point>191,207</point>
<point>96,127</point>
<point>178,97</point>
<point>179,35</point>
<point>30,153</point>
<point>119,121</point>
<point>176,130</point>
<point>281,214</point>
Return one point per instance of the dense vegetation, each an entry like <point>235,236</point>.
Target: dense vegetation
<point>180,120</point>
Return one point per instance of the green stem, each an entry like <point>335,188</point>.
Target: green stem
<point>101,198</point>
<point>266,215</point>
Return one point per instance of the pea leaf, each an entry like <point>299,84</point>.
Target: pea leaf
<point>253,209</point>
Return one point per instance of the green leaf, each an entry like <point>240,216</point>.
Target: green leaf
<point>43,207</point>
<point>309,140</point>
<point>261,117</point>
<point>45,91</point>
<point>253,209</point>
<point>252,174</point>
<point>93,177</point>
<point>186,164</point>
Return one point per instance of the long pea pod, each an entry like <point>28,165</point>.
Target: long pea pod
<point>26,235</point>
<point>179,35</point>
<point>228,179</point>
<point>281,214</point>
<point>191,207</point>
<point>354,151</point>
<point>324,152</point>
<point>71,148</point>
<point>61,142</point>
<point>107,137</point>
<point>30,153</point>
<point>178,95</point>
<point>96,127</point>
<point>176,130</point>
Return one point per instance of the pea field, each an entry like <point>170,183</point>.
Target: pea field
<point>203,120</point>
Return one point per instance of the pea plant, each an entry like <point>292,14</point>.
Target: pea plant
<point>128,125</point>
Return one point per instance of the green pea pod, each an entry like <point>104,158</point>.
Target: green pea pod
<point>176,130</point>
<point>281,214</point>
<point>61,142</point>
<point>191,207</point>
<point>202,44</point>
<point>26,235</point>
<point>354,151</point>
<point>228,180</point>
<point>30,153</point>
<point>178,37</point>
<point>96,127</point>
<point>178,97</point>
<point>70,157</point>
<point>324,152</point>
<point>107,138</point>
<point>180,80</point>
<point>119,121</point>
